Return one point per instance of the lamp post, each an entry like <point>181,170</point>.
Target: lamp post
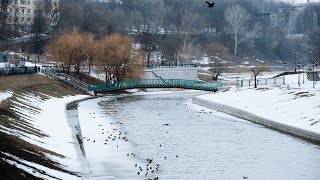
<point>295,61</point>
<point>284,70</point>
<point>303,73</point>
<point>313,75</point>
<point>315,79</point>
<point>310,57</point>
<point>299,74</point>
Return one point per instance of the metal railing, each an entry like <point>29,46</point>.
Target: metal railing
<point>67,78</point>
<point>157,83</point>
<point>17,70</point>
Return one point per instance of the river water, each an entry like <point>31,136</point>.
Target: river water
<point>197,143</point>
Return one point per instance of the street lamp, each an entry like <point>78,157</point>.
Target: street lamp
<point>284,70</point>
<point>295,61</point>
<point>299,74</point>
<point>313,75</point>
<point>303,73</point>
<point>310,56</point>
<point>314,78</point>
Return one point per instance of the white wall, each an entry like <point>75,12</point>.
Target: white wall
<point>171,73</point>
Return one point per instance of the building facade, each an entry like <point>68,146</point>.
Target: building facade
<point>21,13</point>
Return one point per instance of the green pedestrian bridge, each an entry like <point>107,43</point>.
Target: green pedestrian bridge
<point>156,83</point>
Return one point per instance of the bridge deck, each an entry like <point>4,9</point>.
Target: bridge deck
<point>156,83</point>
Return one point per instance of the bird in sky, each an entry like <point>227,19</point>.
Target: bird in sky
<point>166,125</point>
<point>210,5</point>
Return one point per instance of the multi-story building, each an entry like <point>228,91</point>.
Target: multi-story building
<point>21,14</point>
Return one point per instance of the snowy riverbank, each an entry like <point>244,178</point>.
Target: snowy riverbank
<point>287,104</point>
<point>47,115</point>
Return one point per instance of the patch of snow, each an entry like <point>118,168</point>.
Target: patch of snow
<point>35,169</point>
<point>5,95</point>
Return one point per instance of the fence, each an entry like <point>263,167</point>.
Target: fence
<point>250,82</point>
<point>66,78</point>
<point>17,70</point>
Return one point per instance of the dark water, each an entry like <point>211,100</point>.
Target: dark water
<point>205,144</point>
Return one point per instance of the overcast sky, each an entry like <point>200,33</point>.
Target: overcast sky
<point>301,1</point>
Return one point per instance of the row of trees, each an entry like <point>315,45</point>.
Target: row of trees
<point>179,28</point>
<point>114,54</point>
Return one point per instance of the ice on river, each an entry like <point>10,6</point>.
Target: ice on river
<point>199,143</point>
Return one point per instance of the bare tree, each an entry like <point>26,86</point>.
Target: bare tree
<point>116,56</point>
<point>214,50</point>
<point>188,17</point>
<point>237,17</point>
<point>256,70</point>
<point>72,49</point>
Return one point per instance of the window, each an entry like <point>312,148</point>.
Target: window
<point>28,2</point>
<point>22,11</point>
<point>29,11</point>
<point>22,19</point>
<point>28,19</point>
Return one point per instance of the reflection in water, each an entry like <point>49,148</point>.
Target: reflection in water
<point>205,144</point>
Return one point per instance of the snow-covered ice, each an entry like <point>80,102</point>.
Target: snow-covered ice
<point>199,143</point>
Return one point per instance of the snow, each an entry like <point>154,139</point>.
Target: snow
<point>5,95</point>
<point>287,104</point>
<point>98,74</point>
<point>48,117</point>
<point>35,169</point>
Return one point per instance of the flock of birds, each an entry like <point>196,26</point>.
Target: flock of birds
<point>151,168</point>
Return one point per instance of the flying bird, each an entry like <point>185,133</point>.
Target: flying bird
<point>210,5</point>
<point>166,125</point>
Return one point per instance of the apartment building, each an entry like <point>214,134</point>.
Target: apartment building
<point>21,14</point>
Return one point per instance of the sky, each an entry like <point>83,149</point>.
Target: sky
<point>301,1</point>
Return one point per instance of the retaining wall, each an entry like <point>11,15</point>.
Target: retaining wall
<point>295,131</point>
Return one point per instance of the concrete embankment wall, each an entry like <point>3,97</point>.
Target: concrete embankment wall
<point>298,132</point>
<point>72,112</point>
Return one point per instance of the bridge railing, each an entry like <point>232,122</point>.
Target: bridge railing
<point>149,83</point>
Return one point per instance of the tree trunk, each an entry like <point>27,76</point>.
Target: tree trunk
<point>255,81</point>
<point>106,75</point>
<point>235,44</point>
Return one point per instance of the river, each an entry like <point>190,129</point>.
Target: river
<point>186,141</point>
